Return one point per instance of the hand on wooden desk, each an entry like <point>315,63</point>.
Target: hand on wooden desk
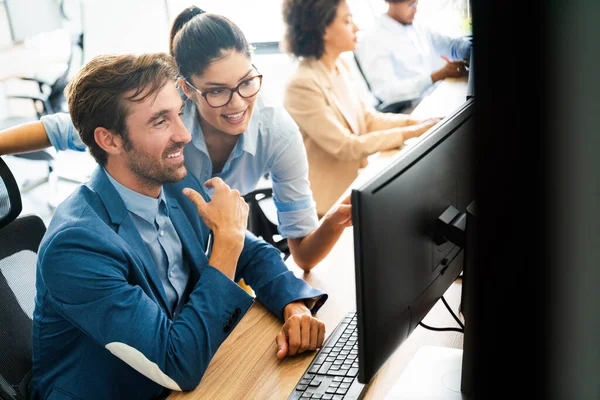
<point>300,332</point>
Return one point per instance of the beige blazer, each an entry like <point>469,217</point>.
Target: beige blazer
<point>337,139</point>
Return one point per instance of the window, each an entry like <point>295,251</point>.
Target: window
<point>261,20</point>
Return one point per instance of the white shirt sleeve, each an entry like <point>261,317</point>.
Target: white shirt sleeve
<point>387,68</point>
<point>385,83</point>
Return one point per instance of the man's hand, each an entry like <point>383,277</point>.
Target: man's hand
<point>452,69</point>
<point>340,215</point>
<point>300,332</point>
<point>227,211</point>
<point>455,69</point>
<point>227,216</point>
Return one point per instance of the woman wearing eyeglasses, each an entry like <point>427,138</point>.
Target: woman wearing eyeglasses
<point>339,129</point>
<point>236,135</point>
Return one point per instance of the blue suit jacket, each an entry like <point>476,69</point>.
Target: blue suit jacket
<point>102,328</point>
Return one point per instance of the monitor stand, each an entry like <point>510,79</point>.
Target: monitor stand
<point>433,373</point>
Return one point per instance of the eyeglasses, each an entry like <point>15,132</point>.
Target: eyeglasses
<point>413,5</point>
<point>221,96</point>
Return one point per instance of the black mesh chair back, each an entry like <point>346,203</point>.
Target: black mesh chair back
<point>260,224</point>
<point>20,237</point>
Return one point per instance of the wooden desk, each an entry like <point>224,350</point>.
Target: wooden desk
<point>245,366</point>
<point>450,94</point>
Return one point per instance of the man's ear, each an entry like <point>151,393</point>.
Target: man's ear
<point>108,141</point>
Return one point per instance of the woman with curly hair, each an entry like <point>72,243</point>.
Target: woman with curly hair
<point>338,128</point>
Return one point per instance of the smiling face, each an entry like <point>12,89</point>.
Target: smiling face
<point>340,35</point>
<point>153,145</point>
<point>233,69</point>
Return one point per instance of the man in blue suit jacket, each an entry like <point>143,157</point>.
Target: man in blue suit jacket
<point>135,282</point>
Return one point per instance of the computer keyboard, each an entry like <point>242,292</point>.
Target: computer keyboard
<point>333,373</point>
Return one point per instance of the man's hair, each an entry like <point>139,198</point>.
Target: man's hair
<point>305,24</point>
<point>97,93</point>
<point>396,1</point>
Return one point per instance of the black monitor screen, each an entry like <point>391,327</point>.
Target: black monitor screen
<point>400,270</point>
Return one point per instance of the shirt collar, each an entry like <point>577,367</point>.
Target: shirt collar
<point>145,207</point>
<point>391,24</point>
<point>247,142</point>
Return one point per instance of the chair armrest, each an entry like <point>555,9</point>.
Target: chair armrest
<point>38,102</point>
<point>396,107</point>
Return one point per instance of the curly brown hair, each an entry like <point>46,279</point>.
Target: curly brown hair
<point>305,24</point>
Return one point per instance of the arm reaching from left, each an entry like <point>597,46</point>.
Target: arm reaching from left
<point>24,138</point>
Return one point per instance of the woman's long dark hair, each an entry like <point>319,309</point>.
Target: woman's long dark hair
<point>199,38</point>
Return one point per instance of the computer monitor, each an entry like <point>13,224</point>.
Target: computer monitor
<point>404,261</point>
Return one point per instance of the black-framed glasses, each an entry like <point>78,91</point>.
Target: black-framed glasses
<point>221,96</point>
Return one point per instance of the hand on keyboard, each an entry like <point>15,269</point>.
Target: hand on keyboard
<point>300,332</point>
<point>333,373</point>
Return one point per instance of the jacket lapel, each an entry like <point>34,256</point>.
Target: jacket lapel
<point>324,79</point>
<point>192,244</point>
<point>126,229</point>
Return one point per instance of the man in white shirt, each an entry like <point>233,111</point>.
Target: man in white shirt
<point>402,58</point>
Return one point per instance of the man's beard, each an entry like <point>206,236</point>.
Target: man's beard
<point>152,172</point>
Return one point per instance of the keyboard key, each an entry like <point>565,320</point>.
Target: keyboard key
<point>320,359</point>
<point>314,369</point>
<point>327,396</point>
<point>301,387</point>
<point>314,383</point>
<point>324,368</point>
<point>352,372</point>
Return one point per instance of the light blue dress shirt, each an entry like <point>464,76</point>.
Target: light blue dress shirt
<point>272,143</point>
<point>151,218</point>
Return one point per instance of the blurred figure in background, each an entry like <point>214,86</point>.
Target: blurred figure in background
<point>402,58</point>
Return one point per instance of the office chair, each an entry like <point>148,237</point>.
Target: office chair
<point>260,204</point>
<point>396,107</point>
<point>50,99</point>
<point>20,237</point>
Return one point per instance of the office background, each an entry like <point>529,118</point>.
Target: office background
<point>540,138</point>
<point>52,33</point>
